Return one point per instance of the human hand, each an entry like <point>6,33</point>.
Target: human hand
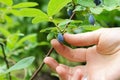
<point>102,59</point>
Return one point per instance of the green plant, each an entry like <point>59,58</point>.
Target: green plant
<point>20,43</point>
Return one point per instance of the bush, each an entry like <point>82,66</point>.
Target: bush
<point>27,26</point>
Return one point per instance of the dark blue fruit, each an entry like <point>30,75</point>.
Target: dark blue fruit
<point>91,19</point>
<point>97,2</point>
<point>69,12</point>
<point>60,37</point>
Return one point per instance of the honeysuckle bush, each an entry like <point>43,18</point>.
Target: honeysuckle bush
<point>26,28</point>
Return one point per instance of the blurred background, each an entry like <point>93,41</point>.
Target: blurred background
<point>23,39</point>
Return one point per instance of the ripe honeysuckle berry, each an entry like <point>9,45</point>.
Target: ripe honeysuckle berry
<point>60,37</point>
<point>69,12</point>
<point>91,19</point>
<point>97,2</point>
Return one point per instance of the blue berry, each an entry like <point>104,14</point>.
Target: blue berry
<point>60,37</point>
<point>97,2</point>
<point>91,19</point>
<point>69,12</point>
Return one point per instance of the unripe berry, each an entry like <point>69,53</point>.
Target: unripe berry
<point>60,37</point>
<point>91,19</point>
<point>97,2</point>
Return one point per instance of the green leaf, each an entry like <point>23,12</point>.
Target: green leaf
<point>110,8</point>
<point>79,8</point>
<point>43,43</point>
<point>96,10</point>
<point>48,29</point>
<point>75,1</point>
<point>5,32</point>
<point>86,3</point>
<point>50,36</point>
<point>15,12</point>
<point>2,70</point>
<point>25,4</point>
<point>7,2</point>
<point>8,19</point>
<point>40,19</point>
<point>24,63</point>
<point>58,20</point>
<point>12,40</point>
<point>111,3</point>
<point>32,12</point>
<point>55,6</point>
<point>2,77</point>
<point>90,28</point>
<point>64,22</point>
<point>31,38</point>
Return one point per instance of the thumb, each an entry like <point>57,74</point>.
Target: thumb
<point>83,39</point>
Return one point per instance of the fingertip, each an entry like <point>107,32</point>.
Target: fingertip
<point>51,63</point>
<point>57,45</point>
<point>60,70</point>
<point>46,60</point>
<point>54,42</point>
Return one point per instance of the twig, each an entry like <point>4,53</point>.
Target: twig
<point>5,59</point>
<point>42,64</point>
<point>69,22</point>
<point>49,52</point>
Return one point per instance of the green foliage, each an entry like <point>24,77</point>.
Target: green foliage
<point>22,64</point>
<point>31,12</point>
<point>25,4</point>
<point>23,39</point>
<point>7,2</point>
<point>4,32</point>
<point>50,36</point>
<point>31,38</point>
<point>54,7</point>
<point>106,5</point>
<point>86,3</point>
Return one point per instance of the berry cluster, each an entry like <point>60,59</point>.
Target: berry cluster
<point>91,19</point>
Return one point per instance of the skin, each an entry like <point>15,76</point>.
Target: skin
<point>102,59</point>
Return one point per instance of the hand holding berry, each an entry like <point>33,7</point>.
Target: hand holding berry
<point>102,59</point>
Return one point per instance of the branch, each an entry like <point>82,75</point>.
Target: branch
<point>42,64</point>
<point>49,52</point>
<point>5,59</point>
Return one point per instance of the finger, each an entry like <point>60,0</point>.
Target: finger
<point>83,39</point>
<point>82,68</point>
<point>62,72</point>
<point>77,55</point>
<point>77,75</point>
<point>51,63</point>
